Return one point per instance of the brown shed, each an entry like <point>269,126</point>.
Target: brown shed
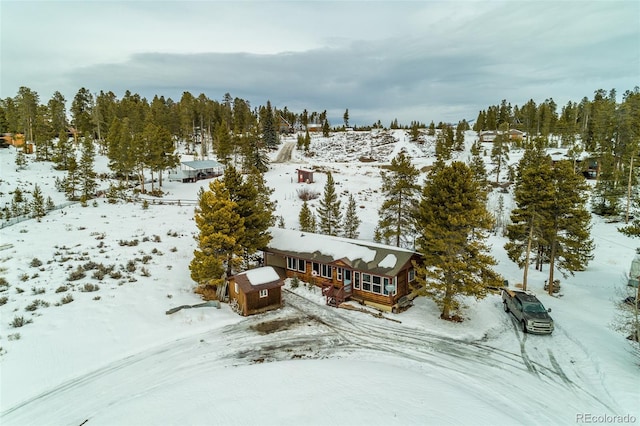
<point>305,176</point>
<point>257,290</point>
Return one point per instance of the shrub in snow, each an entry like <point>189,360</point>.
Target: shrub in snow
<point>307,194</point>
<point>35,263</point>
<point>38,290</point>
<point>14,336</point>
<point>24,277</point>
<point>131,243</point>
<point>131,266</point>
<point>89,266</point>
<point>62,289</point>
<point>19,322</point>
<point>295,282</point>
<point>3,300</point>
<point>76,275</point>
<point>88,287</point>
<point>66,299</point>
<point>35,304</point>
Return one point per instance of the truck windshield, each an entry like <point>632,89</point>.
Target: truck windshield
<point>534,308</point>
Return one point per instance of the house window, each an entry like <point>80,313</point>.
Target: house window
<point>291,263</point>
<point>411,275</point>
<point>339,274</point>
<point>386,282</point>
<point>302,265</point>
<point>264,293</point>
<point>366,282</point>
<point>326,271</point>
<point>356,280</point>
<point>377,284</point>
<point>315,269</point>
<point>235,287</point>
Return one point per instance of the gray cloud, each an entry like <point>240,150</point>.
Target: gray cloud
<point>418,61</point>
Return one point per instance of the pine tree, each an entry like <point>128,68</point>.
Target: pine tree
<point>87,174</point>
<point>81,112</point>
<point>415,132</point>
<point>50,205</point>
<point>220,230</point>
<point>21,160</point>
<point>72,181</point>
<point>307,141</point>
<point>63,151</point>
<point>459,137</point>
<point>269,132</point>
<point>223,144</point>
<point>500,151</point>
<point>432,129</point>
<point>254,206</point>
<point>346,117</point>
<point>351,220</point>
<point>401,192</point>
<point>534,192</point>
<point>478,167</point>
<point>453,223</point>
<point>37,203</point>
<point>325,128</point>
<point>306,218</point>
<point>329,212</point>
<point>17,203</point>
<point>443,148</point>
<point>567,225</point>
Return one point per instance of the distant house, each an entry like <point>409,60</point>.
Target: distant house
<point>487,135</point>
<point>314,127</point>
<point>257,290</point>
<point>191,171</point>
<point>16,140</point>
<point>374,274</point>
<point>490,135</point>
<point>516,135</point>
<point>305,176</point>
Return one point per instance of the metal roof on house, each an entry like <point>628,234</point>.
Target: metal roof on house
<point>202,164</point>
<point>378,259</point>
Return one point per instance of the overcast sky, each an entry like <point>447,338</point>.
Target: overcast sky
<point>419,60</point>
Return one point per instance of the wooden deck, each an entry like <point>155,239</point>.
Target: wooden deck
<point>336,295</point>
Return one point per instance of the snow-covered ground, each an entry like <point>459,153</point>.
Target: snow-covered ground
<point>112,356</point>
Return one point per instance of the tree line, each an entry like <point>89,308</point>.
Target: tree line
<point>606,130</point>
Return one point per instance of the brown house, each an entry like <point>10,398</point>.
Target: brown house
<point>257,290</point>
<point>374,274</point>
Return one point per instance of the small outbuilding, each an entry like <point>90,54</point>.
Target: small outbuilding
<point>305,176</point>
<point>257,290</point>
<point>192,171</point>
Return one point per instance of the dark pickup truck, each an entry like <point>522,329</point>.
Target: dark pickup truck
<point>527,309</point>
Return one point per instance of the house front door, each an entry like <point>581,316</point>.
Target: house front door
<point>347,280</point>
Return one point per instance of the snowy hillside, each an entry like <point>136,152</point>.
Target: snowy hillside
<point>99,349</point>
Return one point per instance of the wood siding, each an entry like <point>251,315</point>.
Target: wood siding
<point>402,288</point>
<point>252,303</point>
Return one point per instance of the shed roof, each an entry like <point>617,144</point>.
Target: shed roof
<point>257,279</point>
<point>378,259</point>
<point>202,164</point>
